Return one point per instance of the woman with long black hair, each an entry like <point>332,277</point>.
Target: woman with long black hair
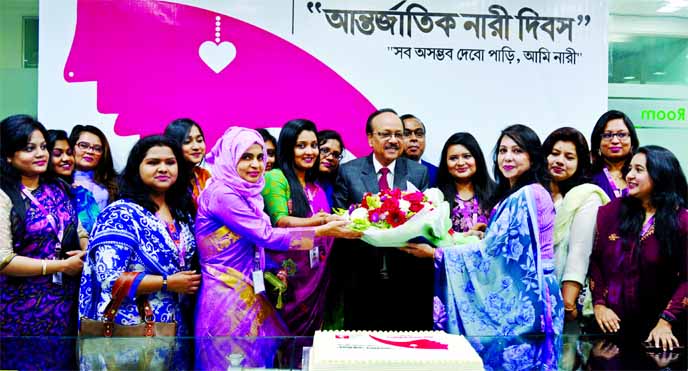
<point>638,263</point>
<point>40,256</point>
<point>148,230</point>
<point>62,167</point>
<point>464,180</point>
<point>293,198</point>
<point>504,284</point>
<point>189,136</point>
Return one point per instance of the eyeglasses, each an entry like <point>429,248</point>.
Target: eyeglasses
<point>84,146</point>
<point>59,152</point>
<point>609,136</point>
<point>324,152</point>
<point>419,133</point>
<point>388,136</point>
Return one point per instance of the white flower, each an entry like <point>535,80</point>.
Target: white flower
<point>434,196</point>
<point>404,206</point>
<point>360,214</point>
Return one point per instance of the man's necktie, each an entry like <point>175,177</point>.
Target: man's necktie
<point>383,179</point>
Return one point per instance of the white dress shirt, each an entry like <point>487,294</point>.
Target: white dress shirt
<point>390,176</point>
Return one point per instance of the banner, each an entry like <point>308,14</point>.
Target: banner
<point>131,67</point>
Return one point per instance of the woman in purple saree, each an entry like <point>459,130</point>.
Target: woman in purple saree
<point>294,199</point>
<point>231,229</point>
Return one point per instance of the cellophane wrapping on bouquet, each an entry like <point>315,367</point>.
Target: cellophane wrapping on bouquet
<point>392,218</point>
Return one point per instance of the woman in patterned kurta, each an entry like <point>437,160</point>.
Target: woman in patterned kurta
<point>463,179</point>
<point>148,230</point>
<point>40,259</point>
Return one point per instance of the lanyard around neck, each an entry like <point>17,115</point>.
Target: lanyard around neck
<point>52,220</point>
<point>617,192</point>
<point>180,244</point>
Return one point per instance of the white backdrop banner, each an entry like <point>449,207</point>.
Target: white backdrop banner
<point>131,67</point>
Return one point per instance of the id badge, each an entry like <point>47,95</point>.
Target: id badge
<point>258,282</point>
<point>314,256</point>
<point>57,278</point>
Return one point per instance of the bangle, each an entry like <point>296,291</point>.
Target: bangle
<point>164,283</point>
<point>44,267</point>
<point>666,317</point>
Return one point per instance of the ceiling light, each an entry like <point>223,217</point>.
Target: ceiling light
<point>619,38</point>
<point>671,6</point>
<point>667,9</point>
<point>659,73</point>
<point>629,77</point>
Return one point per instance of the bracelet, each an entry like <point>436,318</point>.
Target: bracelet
<point>164,283</point>
<point>44,267</point>
<point>666,317</point>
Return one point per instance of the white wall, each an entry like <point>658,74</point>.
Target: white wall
<point>18,86</point>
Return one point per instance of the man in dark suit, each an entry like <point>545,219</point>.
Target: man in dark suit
<point>383,288</point>
<point>414,143</point>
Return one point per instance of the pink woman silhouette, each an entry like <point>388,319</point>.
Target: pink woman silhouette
<point>156,61</point>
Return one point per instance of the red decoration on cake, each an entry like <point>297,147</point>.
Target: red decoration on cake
<point>414,344</point>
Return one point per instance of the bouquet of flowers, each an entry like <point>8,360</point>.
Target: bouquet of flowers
<point>394,217</point>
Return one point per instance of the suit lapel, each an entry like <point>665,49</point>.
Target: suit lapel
<point>400,174</point>
<point>369,177</point>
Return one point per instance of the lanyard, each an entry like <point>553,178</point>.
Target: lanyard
<point>473,212</point>
<point>646,227</point>
<point>59,231</point>
<point>310,196</point>
<point>180,244</point>
<point>617,192</point>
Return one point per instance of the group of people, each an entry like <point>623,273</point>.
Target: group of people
<point>242,241</point>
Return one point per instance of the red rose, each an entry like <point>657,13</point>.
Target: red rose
<point>395,218</point>
<point>416,207</point>
<point>364,202</point>
<point>390,204</point>
<point>396,193</point>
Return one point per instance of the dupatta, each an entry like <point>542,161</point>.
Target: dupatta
<point>499,286</point>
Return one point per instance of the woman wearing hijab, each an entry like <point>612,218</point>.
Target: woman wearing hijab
<point>231,231</point>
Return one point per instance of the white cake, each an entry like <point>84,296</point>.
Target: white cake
<point>382,350</point>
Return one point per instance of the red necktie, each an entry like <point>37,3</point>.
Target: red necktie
<point>383,179</point>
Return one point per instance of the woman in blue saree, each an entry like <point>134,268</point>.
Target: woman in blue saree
<point>504,285</point>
